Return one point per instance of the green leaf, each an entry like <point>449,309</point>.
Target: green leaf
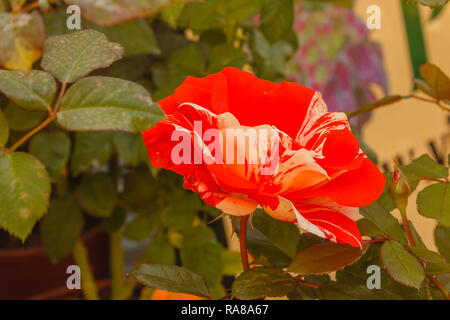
<point>181,211</point>
<point>323,258</point>
<point>188,60</point>
<point>431,3</point>
<point>116,220</point>
<point>32,91</point>
<point>4,130</point>
<point>416,236</point>
<point>171,278</point>
<point>384,221</point>
<point>435,82</point>
<point>231,261</point>
<point>272,240</point>
<point>442,241</point>
<point>24,193</point>
<point>72,56</point>
<point>240,10</point>
<point>277,18</point>
<point>161,251</point>
<point>338,291</point>
<point>129,147</point>
<point>263,282</point>
<point>224,55</point>
<point>425,254</point>
<point>171,13</point>
<point>97,194</point>
<point>356,274</point>
<point>136,37</point>
<point>140,228</point>
<point>368,228</point>
<point>200,252</point>
<point>284,235</point>
<point>22,120</point>
<point>112,12</point>
<point>434,202</point>
<point>61,228</point>
<point>401,265</point>
<point>436,13</point>
<point>198,16</point>
<point>141,190</point>
<point>424,167</point>
<point>102,103</point>
<point>92,149</point>
<point>437,268</point>
<point>23,37</point>
<point>53,150</point>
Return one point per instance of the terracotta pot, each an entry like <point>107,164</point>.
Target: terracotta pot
<point>25,273</point>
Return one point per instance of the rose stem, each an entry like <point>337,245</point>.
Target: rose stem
<point>243,242</point>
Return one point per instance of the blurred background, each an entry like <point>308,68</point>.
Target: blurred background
<point>143,214</point>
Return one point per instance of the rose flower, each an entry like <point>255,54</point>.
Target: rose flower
<point>285,153</point>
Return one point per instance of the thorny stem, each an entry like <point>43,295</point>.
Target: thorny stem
<point>307,284</point>
<point>411,240</point>
<point>243,242</point>
<point>45,123</point>
<point>407,227</point>
<point>364,109</point>
<point>299,280</point>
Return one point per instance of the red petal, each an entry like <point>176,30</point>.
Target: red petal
<point>336,226</point>
<point>354,188</point>
<point>251,100</point>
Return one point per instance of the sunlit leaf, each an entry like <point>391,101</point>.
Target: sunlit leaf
<point>434,202</point>
<point>72,56</point>
<point>32,91</point>
<point>402,265</point>
<point>103,103</point>
<point>24,193</point>
<point>442,240</point>
<point>437,268</point>
<point>436,83</point>
<point>22,38</point>
<point>384,221</point>
<point>425,254</point>
<point>431,3</point>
